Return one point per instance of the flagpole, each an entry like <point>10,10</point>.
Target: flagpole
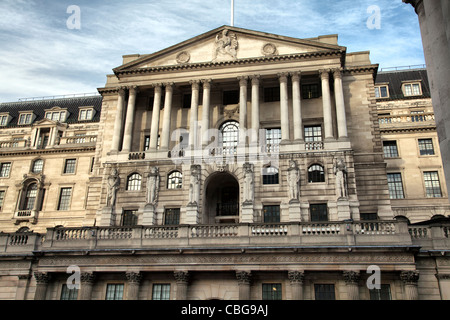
<point>232,13</point>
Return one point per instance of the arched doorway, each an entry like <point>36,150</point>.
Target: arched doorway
<point>221,203</point>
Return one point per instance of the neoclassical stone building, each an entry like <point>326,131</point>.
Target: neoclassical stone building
<point>234,165</point>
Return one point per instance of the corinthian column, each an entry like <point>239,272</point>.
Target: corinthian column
<point>340,104</point>
<point>206,110</point>
<point>182,280</point>
<point>134,281</point>
<point>296,278</point>
<point>244,280</point>
<point>255,109</point>
<point>165,135</point>
<point>154,131</point>
<point>352,280</point>
<point>297,106</point>
<point>118,123</point>
<point>243,81</point>
<point>193,126</point>
<point>410,279</point>
<point>129,121</point>
<point>87,280</point>
<point>284,107</point>
<point>326,98</point>
<point>42,280</point>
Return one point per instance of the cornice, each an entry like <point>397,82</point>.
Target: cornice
<point>47,151</point>
<point>408,130</point>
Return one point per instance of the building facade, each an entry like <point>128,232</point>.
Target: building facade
<point>234,165</point>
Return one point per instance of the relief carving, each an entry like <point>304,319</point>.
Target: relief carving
<point>226,44</point>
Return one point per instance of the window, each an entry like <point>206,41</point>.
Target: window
<point>3,120</point>
<point>272,94</point>
<point>390,149</point>
<point>384,118</point>
<point>381,92</point>
<point>271,214</point>
<point>86,114</point>
<point>229,137</point>
<point>69,166</point>
<point>313,133</point>
<point>30,197</point>
<point>114,292</point>
<point>310,91</point>
<point>38,165</point>
<point>412,89</point>
<point>369,216</point>
<point>384,293</point>
<point>230,97</point>
<point>2,199</point>
<point>324,292</point>
<point>5,169</point>
<point>271,291</point>
<point>270,175</point>
<point>25,118</point>
<point>146,143</point>
<point>432,184</point>
<point>316,173</point>
<point>59,116</point>
<point>319,212</point>
<point>426,147</point>
<point>64,199</point>
<point>68,294</point>
<point>129,218</point>
<point>417,116</point>
<point>187,100</point>
<point>172,216</point>
<point>273,139</point>
<point>134,182</point>
<point>175,180</point>
<point>161,292</point>
<point>395,185</point>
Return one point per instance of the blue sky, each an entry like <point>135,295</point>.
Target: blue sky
<point>41,56</point>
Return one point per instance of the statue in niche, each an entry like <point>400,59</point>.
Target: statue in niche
<point>194,186</point>
<point>293,181</point>
<point>226,44</point>
<point>113,186</point>
<point>153,186</point>
<point>248,183</point>
<point>340,171</point>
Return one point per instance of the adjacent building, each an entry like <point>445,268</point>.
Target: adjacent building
<point>234,165</point>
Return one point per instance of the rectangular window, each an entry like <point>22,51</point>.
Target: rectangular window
<point>319,212</point>
<point>270,176</point>
<point>273,139</point>
<point>432,184</point>
<point>395,185</point>
<point>172,216</point>
<point>5,169</point>
<point>187,100</point>
<point>64,199</point>
<point>25,118</point>
<point>59,116</point>
<point>369,216</point>
<point>313,133</point>
<point>324,292</point>
<point>426,147</point>
<point>3,120</point>
<point>272,94</point>
<point>114,292</point>
<point>271,214</point>
<point>390,149</point>
<point>310,91</point>
<point>381,92</point>
<point>412,89</point>
<point>384,293</point>
<point>69,166</point>
<point>85,114</point>
<point>2,199</point>
<point>161,292</point>
<point>417,116</point>
<point>230,97</point>
<point>129,218</point>
<point>271,291</point>
<point>146,143</point>
<point>68,294</point>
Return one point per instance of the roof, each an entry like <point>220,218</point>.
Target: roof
<point>396,78</point>
<point>40,106</point>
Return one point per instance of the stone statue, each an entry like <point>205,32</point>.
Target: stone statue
<point>340,170</point>
<point>113,186</point>
<point>153,186</point>
<point>194,186</point>
<point>226,44</point>
<point>248,183</point>
<point>294,181</point>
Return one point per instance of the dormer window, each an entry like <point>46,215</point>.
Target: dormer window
<point>382,91</point>
<point>25,118</point>
<point>86,114</point>
<point>4,119</point>
<point>59,116</point>
<point>412,89</point>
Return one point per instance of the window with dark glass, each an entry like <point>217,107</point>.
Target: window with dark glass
<point>271,291</point>
<point>230,97</point>
<point>316,173</point>
<point>38,165</point>
<point>432,184</point>
<point>64,199</point>
<point>426,147</point>
<point>271,214</point>
<point>381,92</point>
<point>187,99</point>
<point>69,166</point>
<point>172,216</point>
<point>114,291</point>
<point>30,197</point>
<point>68,294</point>
<point>129,218</point>
<point>5,169</point>
<point>2,199</point>
<point>134,182</point>
<point>319,212</point>
<point>395,185</point>
<point>324,292</point>
<point>146,143</point>
<point>384,293</point>
<point>390,149</point>
<point>272,94</point>
<point>270,176</point>
<point>161,292</point>
<point>310,91</point>
<point>313,133</point>
<point>368,216</point>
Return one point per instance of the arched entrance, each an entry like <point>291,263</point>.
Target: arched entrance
<point>221,199</point>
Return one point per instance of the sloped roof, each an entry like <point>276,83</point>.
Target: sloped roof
<point>396,78</point>
<point>39,106</point>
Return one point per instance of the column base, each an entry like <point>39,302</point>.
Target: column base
<point>108,217</point>
<point>295,211</point>
<point>148,218</point>
<point>343,209</point>
<point>192,215</point>
<point>247,215</point>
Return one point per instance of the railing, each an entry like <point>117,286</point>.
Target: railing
<point>374,228</point>
<point>321,229</point>
<point>13,144</point>
<point>388,120</point>
<point>420,232</point>
<point>79,140</point>
<point>213,231</point>
<point>318,145</point>
<point>136,156</point>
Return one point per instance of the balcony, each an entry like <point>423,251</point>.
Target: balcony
<point>25,215</point>
<point>404,121</point>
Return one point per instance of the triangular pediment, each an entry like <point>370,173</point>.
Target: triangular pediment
<point>230,43</point>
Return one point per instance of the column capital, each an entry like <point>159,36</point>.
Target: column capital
<point>255,79</point>
<point>351,277</point>
<point>195,84</point>
<point>296,277</point>
<point>324,73</point>
<point>283,77</point>
<point>42,277</point>
<point>121,90</point>
<point>337,73</point>
<point>169,86</point>
<point>296,75</point>
<point>410,277</point>
<point>243,81</point>
<point>134,277</point>
<point>87,277</point>
<point>244,277</point>
<point>181,276</point>
<point>206,83</point>
<point>133,89</point>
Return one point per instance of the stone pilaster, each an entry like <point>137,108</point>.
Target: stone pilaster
<point>42,280</point>
<point>352,280</point>
<point>182,280</point>
<point>296,279</point>
<point>410,279</point>
<point>87,280</point>
<point>134,281</point>
<point>244,279</point>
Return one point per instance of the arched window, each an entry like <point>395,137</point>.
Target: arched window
<point>38,165</point>
<point>134,182</point>
<point>30,197</point>
<point>175,180</point>
<point>229,137</point>
<point>270,175</point>
<point>316,173</point>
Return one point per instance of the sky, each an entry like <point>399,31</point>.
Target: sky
<point>60,47</point>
